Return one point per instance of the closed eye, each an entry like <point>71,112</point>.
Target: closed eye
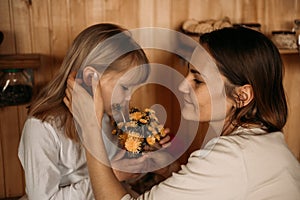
<point>124,87</point>
<point>197,81</point>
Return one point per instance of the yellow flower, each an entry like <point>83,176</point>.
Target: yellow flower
<point>133,142</point>
<point>135,116</point>
<point>162,132</point>
<point>143,121</point>
<point>120,125</point>
<point>123,138</point>
<point>131,124</point>
<point>150,140</point>
<point>156,135</point>
<point>139,120</point>
<point>114,132</point>
<point>149,110</point>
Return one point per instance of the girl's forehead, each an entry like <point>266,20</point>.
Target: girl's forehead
<point>133,76</point>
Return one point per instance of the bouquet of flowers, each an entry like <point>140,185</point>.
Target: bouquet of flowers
<point>140,133</point>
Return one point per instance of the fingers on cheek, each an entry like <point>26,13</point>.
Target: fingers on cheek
<point>69,83</point>
<point>66,101</point>
<point>66,91</point>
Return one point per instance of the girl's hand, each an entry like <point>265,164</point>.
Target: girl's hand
<point>166,141</point>
<point>163,142</point>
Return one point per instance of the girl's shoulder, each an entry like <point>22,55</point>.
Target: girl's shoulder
<point>35,129</point>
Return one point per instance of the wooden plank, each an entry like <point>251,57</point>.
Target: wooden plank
<point>162,13</point>
<point>94,12</point>
<point>10,141</point>
<point>20,34</point>
<point>129,8</point>
<point>146,13</point>
<point>179,13</point>
<point>20,61</point>
<point>274,12</point>
<point>21,26</point>
<point>40,39</point>
<point>2,175</point>
<point>60,38</point>
<point>8,44</point>
<point>291,84</point>
<point>112,12</point>
<point>77,21</point>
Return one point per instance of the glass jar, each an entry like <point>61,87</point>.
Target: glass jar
<point>296,29</point>
<point>15,87</point>
<point>284,39</point>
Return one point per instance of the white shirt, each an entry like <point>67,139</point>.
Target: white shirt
<point>249,164</point>
<point>54,165</point>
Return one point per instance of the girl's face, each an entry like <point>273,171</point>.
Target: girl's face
<point>117,88</point>
<point>197,104</point>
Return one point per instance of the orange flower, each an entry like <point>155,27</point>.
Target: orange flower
<point>162,132</point>
<point>133,142</point>
<point>144,121</point>
<point>136,116</point>
<point>150,140</point>
<point>142,127</point>
<point>123,138</point>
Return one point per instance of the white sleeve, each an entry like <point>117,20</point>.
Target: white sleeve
<point>39,155</point>
<point>219,174</point>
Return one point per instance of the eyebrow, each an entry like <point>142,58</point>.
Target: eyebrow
<point>193,70</point>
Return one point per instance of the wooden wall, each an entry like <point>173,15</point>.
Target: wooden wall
<point>47,27</point>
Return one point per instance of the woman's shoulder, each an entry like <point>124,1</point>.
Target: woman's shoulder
<point>248,147</point>
<point>243,138</point>
<point>241,141</point>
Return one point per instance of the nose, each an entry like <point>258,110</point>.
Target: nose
<point>127,98</point>
<point>184,86</point>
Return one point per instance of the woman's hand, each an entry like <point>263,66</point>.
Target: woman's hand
<point>163,162</point>
<point>79,101</point>
<point>88,113</point>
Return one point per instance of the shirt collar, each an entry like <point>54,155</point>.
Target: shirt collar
<point>248,131</point>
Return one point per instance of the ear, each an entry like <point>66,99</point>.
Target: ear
<point>245,95</point>
<point>88,74</point>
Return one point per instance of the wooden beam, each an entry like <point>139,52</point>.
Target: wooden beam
<point>20,61</point>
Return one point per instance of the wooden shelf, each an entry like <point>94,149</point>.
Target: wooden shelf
<point>288,51</point>
<point>20,61</point>
<point>281,51</point>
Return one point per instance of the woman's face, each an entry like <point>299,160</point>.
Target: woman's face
<point>197,104</point>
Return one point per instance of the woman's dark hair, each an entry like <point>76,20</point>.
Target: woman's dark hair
<point>246,56</point>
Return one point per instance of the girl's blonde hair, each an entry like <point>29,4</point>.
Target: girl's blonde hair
<point>48,105</point>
